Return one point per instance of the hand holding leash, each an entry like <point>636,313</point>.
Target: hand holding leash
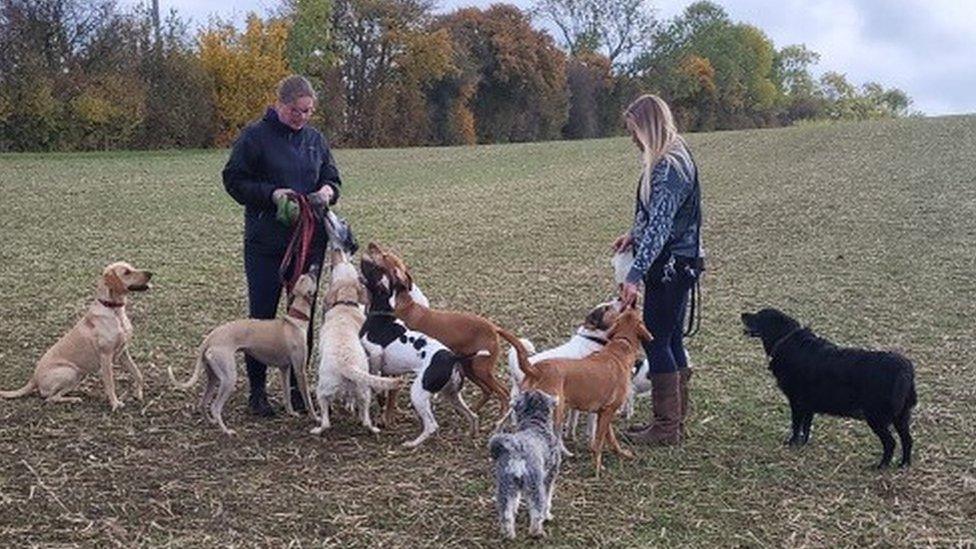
<point>628,294</point>
<point>622,242</point>
<point>321,198</point>
<point>287,206</point>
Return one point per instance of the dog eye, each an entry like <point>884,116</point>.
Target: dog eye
<point>126,271</point>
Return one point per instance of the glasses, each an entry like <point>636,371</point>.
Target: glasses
<point>295,111</point>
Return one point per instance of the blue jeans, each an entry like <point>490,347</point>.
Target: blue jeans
<point>666,290</point>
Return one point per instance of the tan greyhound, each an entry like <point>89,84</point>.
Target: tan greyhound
<point>279,342</point>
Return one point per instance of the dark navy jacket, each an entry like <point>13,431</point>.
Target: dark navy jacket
<point>269,155</point>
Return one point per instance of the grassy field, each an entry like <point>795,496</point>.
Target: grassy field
<point>867,232</point>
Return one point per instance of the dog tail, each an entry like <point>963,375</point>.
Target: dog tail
<point>25,390</point>
<point>201,357</point>
<point>513,362</point>
<point>520,352</point>
<point>377,383</point>
<point>904,388</point>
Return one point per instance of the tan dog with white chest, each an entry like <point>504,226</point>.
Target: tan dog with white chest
<point>279,342</point>
<point>95,342</point>
<point>598,383</point>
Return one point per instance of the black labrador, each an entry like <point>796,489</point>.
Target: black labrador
<point>819,377</point>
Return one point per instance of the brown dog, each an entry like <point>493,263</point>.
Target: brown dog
<point>95,342</point>
<point>464,334</point>
<point>597,383</point>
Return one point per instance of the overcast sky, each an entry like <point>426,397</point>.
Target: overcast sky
<point>925,47</point>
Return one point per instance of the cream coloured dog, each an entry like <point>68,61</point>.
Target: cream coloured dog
<point>279,342</point>
<point>343,365</point>
<point>95,342</point>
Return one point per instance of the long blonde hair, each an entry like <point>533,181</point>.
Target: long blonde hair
<point>650,118</point>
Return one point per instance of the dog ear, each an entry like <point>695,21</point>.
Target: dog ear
<point>643,333</point>
<point>330,297</point>
<point>595,319</point>
<point>362,295</point>
<point>115,285</point>
<point>615,328</point>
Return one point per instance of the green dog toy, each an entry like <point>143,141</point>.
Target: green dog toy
<point>287,210</point>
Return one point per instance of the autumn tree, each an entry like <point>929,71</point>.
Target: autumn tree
<point>589,81</point>
<point>245,66</point>
<point>613,28</point>
<point>68,75</point>
<point>518,73</point>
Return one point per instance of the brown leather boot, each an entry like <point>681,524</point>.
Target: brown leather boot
<point>684,375</point>
<point>665,429</point>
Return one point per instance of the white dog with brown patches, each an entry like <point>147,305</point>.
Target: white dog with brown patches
<point>343,365</point>
<point>95,342</point>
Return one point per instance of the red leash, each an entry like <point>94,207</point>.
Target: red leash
<point>296,255</point>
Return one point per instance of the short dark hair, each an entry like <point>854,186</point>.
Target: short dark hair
<point>293,87</point>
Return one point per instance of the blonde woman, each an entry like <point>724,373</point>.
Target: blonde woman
<point>666,242</point>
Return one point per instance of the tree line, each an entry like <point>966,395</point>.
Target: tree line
<point>86,74</point>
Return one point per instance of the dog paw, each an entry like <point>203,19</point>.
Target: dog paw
<point>318,430</point>
<point>117,404</point>
<point>627,453</point>
<point>373,429</point>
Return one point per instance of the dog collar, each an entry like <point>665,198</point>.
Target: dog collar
<point>295,313</point>
<point>382,313</point>
<point>346,303</point>
<point>595,339</point>
<point>111,304</point>
<point>780,341</point>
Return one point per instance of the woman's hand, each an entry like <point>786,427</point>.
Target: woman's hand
<point>628,294</point>
<point>622,242</point>
<point>322,197</point>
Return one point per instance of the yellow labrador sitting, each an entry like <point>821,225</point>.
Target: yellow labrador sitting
<point>279,342</point>
<point>95,342</point>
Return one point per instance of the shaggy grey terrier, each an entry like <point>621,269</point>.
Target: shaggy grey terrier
<point>526,462</point>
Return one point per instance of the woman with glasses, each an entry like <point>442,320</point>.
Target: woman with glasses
<point>272,159</point>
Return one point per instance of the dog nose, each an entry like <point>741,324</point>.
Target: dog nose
<point>148,274</point>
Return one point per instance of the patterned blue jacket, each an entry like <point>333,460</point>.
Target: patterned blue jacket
<point>669,223</point>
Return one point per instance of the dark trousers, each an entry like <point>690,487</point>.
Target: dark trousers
<point>263,292</point>
<point>665,301</point>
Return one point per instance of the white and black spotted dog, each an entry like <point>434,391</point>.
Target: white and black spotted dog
<point>394,350</point>
<point>526,463</point>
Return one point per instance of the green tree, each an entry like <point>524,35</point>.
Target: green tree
<point>741,56</point>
